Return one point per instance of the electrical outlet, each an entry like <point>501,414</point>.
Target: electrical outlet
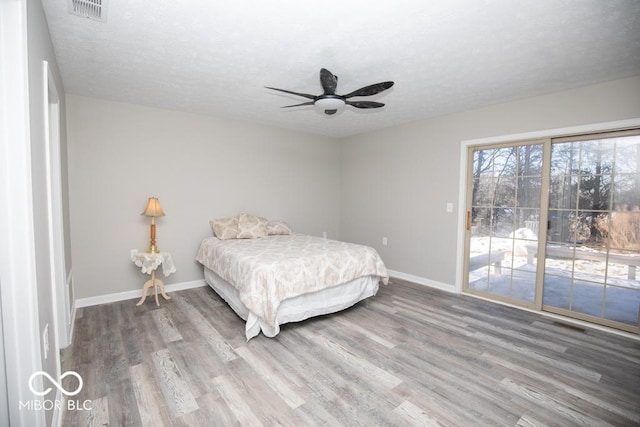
<point>384,241</point>
<point>449,207</point>
<point>45,341</point>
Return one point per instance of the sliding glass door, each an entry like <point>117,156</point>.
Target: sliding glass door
<point>593,240</point>
<point>502,222</point>
<point>555,225</point>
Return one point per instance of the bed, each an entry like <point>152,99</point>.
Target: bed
<point>278,279</point>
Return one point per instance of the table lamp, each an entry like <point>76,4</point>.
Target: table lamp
<point>153,210</point>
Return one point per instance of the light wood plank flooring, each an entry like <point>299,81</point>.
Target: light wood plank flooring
<point>409,356</point>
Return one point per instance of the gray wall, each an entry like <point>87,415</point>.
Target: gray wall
<point>200,168</point>
<point>395,183</point>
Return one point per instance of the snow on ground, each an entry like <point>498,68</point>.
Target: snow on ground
<point>516,257</point>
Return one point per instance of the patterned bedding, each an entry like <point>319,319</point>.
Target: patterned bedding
<point>268,271</point>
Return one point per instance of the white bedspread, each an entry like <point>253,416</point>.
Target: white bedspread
<point>268,271</point>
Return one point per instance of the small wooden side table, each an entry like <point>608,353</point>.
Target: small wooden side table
<point>149,263</point>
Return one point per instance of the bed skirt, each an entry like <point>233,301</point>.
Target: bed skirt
<point>329,300</point>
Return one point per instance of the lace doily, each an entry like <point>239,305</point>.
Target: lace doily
<point>149,262</point>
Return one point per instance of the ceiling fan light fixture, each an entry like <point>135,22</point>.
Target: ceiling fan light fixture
<point>329,103</point>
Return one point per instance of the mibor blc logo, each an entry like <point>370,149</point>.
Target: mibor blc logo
<point>58,385</point>
<point>47,404</point>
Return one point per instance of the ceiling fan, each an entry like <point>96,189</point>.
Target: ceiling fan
<point>330,102</point>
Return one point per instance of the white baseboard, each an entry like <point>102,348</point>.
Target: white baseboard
<point>72,327</point>
<point>122,296</point>
<point>72,309</point>
<point>423,281</point>
<point>58,412</point>
<point>137,293</point>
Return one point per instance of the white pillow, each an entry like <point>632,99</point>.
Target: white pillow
<point>278,227</point>
<point>251,226</point>
<point>225,228</point>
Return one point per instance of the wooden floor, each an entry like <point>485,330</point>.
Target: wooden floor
<point>409,356</point>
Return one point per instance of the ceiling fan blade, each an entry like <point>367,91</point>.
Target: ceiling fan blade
<point>306,95</point>
<point>365,104</point>
<point>328,81</point>
<point>299,105</point>
<point>370,90</point>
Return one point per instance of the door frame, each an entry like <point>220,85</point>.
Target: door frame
<point>59,289</point>
<point>18,287</point>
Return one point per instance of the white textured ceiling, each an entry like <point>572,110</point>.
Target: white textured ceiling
<point>215,57</point>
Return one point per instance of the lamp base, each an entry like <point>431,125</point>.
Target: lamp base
<point>153,249</point>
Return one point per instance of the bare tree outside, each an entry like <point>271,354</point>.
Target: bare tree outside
<point>595,194</point>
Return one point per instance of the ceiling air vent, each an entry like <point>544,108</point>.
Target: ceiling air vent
<point>92,9</point>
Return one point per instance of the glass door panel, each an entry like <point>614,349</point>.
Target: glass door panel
<point>593,236</point>
<point>503,222</point>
